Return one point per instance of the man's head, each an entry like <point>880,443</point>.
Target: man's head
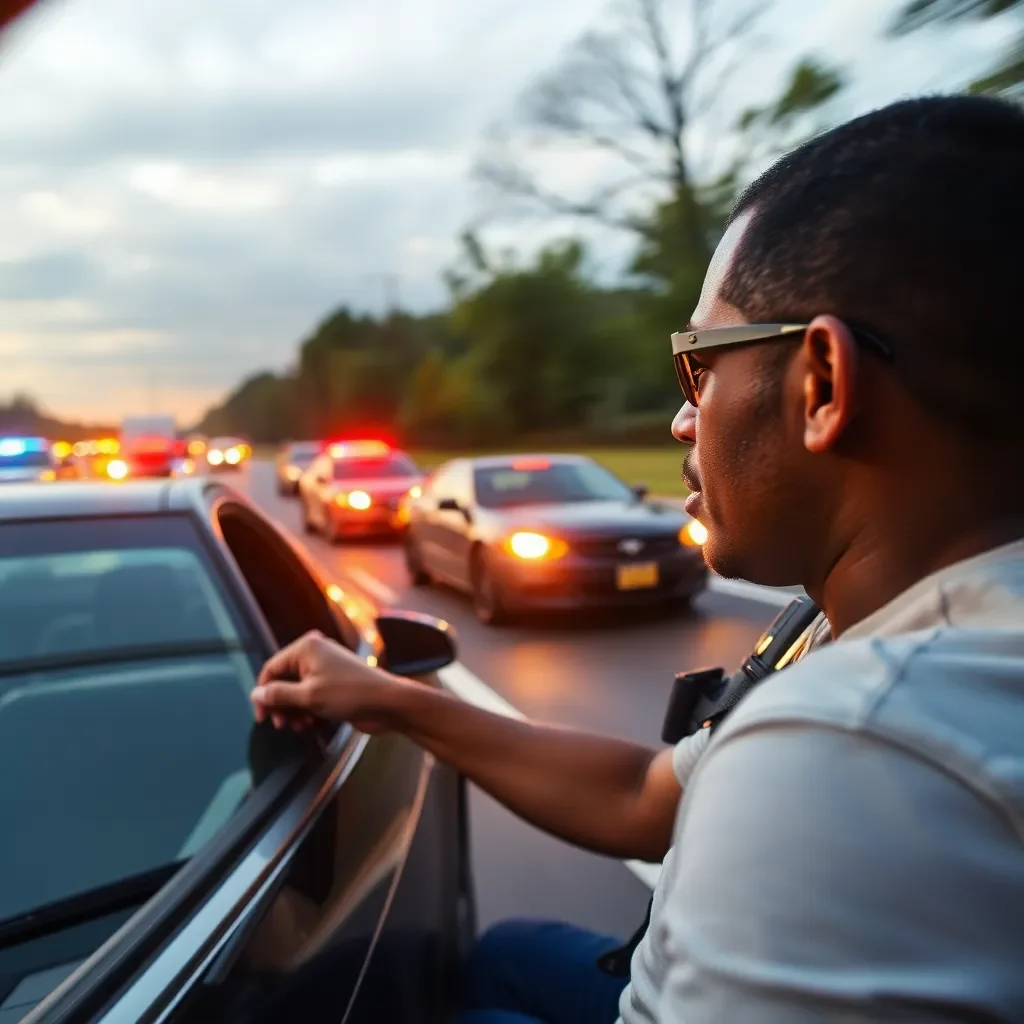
<point>903,227</point>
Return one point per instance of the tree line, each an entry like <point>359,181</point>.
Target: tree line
<point>540,349</point>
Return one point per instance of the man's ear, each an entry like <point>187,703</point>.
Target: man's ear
<point>830,384</point>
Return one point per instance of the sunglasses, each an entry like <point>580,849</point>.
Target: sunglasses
<point>686,343</point>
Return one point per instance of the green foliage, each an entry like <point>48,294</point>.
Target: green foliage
<point>1007,75</point>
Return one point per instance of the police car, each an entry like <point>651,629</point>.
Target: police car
<point>27,459</point>
<point>355,488</point>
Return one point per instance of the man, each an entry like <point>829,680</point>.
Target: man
<point>851,842</point>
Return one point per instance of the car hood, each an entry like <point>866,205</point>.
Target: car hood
<point>598,518</point>
<point>391,487</point>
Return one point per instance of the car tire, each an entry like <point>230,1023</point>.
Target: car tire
<point>307,523</point>
<point>488,603</point>
<point>414,563</point>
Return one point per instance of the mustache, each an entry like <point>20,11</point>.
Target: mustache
<point>688,473</point>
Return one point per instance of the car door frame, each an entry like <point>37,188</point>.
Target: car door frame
<point>166,949</point>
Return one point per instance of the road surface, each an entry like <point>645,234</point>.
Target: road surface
<point>610,673</point>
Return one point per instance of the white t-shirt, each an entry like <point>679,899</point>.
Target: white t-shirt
<point>649,964</point>
<point>851,845</point>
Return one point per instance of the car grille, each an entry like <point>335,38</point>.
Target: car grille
<point>608,547</point>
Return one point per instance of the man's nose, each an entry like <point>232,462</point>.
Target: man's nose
<point>684,426</point>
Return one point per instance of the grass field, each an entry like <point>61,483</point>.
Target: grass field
<point>656,467</point>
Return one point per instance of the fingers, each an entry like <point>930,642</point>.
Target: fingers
<point>288,662</point>
<point>273,698</point>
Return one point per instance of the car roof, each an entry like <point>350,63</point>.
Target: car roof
<point>90,499</point>
<point>505,461</point>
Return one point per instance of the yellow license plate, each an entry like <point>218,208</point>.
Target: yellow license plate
<point>637,576</point>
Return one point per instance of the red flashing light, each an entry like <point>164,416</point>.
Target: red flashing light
<point>525,465</point>
<point>362,449</point>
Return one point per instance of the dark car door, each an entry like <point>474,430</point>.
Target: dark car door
<point>372,896</point>
<point>342,899</point>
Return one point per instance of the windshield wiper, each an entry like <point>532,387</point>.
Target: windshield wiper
<point>105,899</point>
<point>130,652</point>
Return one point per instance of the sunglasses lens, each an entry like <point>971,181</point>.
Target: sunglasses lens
<point>685,377</point>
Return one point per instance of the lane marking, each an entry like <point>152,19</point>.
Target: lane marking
<point>373,586</point>
<point>751,591</point>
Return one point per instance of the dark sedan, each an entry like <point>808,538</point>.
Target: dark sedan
<point>548,532</point>
<point>164,857</point>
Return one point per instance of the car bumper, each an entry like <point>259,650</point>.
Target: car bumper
<point>579,583</point>
<point>377,519</point>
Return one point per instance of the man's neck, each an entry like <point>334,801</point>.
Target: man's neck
<point>872,571</point>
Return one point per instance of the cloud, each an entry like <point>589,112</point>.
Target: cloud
<point>188,187</point>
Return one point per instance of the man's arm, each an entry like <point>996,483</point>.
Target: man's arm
<point>603,794</point>
<point>824,876</point>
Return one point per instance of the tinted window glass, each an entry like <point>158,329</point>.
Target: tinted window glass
<point>547,483</point>
<point>106,602</point>
<point>125,722</point>
<point>374,469</point>
<point>303,454</point>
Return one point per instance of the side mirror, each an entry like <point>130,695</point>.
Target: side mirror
<point>414,644</point>
<point>448,505</point>
<point>641,491</point>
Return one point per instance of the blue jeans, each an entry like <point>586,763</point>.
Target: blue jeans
<point>539,972</point>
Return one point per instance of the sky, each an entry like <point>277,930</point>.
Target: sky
<point>188,186</point>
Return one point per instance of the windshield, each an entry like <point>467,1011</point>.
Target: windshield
<point>374,469</point>
<point>124,714</point>
<point>303,454</point>
<point>25,460</point>
<point>547,484</point>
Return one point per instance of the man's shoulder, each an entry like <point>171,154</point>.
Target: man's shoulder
<point>946,694</point>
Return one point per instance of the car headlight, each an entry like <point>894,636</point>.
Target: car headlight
<point>415,492</point>
<point>117,469</point>
<point>233,456</point>
<point>693,534</point>
<point>533,547</point>
<point>293,473</point>
<point>215,457</point>
<point>359,500</point>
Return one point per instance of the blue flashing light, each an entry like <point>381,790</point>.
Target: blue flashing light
<point>11,446</point>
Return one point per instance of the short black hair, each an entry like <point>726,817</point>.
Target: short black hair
<point>908,221</point>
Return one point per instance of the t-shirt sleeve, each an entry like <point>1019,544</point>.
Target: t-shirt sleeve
<point>823,875</point>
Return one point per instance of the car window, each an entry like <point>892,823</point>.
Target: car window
<point>374,469</point>
<point>292,600</point>
<point>540,482</point>
<point>124,714</point>
<point>303,454</point>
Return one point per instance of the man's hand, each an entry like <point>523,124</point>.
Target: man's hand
<point>318,678</point>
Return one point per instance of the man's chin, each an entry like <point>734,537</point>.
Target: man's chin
<point>731,564</point>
